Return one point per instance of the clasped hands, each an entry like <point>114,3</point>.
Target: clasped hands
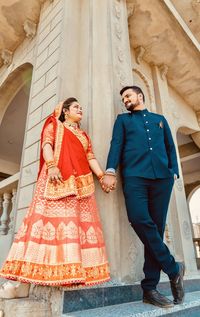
<point>108,182</point>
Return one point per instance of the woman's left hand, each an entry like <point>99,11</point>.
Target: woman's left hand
<point>55,175</point>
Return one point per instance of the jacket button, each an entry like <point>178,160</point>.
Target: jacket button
<point>151,148</point>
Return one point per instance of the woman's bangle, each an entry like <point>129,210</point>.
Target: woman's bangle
<point>100,176</point>
<point>50,164</point>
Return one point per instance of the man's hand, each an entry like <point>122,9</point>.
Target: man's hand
<point>108,183</point>
<point>175,177</point>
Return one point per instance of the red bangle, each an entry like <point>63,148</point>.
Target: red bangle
<point>100,176</point>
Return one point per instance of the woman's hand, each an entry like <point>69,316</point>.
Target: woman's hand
<point>54,175</point>
<point>108,183</point>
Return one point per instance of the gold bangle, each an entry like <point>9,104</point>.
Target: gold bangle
<point>50,164</point>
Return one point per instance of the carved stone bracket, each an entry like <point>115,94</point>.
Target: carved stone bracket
<point>163,71</point>
<point>30,28</point>
<point>143,77</point>
<point>6,56</point>
<point>139,53</point>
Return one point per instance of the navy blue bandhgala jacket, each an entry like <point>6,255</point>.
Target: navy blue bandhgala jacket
<point>142,144</point>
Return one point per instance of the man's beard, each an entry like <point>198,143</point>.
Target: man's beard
<point>132,106</point>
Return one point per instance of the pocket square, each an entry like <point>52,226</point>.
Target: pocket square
<point>161,125</point>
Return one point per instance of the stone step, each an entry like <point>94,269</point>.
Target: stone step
<point>25,307</point>
<point>109,294</point>
<point>190,308</point>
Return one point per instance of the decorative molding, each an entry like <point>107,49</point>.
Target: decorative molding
<point>179,184</point>
<point>120,54</point>
<point>130,9</point>
<point>143,77</point>
<point>198,117</point>
<point>117,10</point>
<point>30,28</point>
<point>195,4</point>
<point>6,56</point>
<point>186,230</point>
<point>163,71</point>
<point>118,31</point>
<point>139,53</point>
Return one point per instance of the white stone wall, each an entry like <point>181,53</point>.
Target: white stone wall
<point>43,98</point>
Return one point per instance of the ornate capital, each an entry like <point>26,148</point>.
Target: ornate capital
<point>6,56</point>
<point>139,53</point>
<point>30,28</point>
<point>163,71</point>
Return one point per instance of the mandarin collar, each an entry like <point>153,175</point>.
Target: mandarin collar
<point>139,111</point>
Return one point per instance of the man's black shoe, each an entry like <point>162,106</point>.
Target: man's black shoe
<point>177,286</point>
<point>155,298</point>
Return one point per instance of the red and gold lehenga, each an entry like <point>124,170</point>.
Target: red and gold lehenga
<point>60,241</point>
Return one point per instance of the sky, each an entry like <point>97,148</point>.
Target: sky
<point>194,205</point>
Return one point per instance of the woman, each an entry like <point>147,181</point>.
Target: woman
<point>60,242</point>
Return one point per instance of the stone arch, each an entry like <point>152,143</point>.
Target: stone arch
<point>14,97</point>
<point>189,153</point>
<point>13,83</point>
<point>142,81</point>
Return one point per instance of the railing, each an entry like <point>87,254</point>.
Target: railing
<point>8,192</point>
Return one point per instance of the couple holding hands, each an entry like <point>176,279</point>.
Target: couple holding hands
<point>60,242</point>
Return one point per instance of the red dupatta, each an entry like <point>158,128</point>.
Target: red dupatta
<point>71,159</point>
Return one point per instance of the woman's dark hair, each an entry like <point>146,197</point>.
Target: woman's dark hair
<point>66,104</point>
<point>136,89</point>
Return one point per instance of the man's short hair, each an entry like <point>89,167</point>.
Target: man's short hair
<point>136,89</point>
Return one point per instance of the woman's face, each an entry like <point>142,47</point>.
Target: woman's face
<point>75,112</point>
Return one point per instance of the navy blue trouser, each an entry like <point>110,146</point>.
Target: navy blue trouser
<point>147,203</point>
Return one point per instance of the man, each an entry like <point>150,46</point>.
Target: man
<point>142,143</point>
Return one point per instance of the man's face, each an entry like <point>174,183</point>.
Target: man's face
<point>130,99</point>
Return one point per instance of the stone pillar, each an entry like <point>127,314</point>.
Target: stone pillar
<point>95,64</point>
<point>5,214</point>
<point>13,210</point>
<point>178,218</point>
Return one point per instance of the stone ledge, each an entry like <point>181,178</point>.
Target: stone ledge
<point>109,295</point>
<point>191,307</point>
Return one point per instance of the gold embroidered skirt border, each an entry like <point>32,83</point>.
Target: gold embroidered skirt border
<point>55,275</point>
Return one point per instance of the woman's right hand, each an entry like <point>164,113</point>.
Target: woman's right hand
<point>54,175</point>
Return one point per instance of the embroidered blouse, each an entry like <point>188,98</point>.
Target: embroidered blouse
<point>85,140</point>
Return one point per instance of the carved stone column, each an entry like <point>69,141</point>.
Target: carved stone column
<point>94,71</point>
<point>178,217</point>
<point>5,214</point>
